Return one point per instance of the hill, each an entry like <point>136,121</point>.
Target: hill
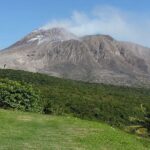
<point>93,58</point>
<point>111,104</point>
<point>34,131</point>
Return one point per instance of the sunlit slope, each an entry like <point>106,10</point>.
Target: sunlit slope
<point>41,132</point>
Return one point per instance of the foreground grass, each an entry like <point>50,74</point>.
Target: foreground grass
<point>27,131</point>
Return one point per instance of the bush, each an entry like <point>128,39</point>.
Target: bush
<point>18,95</point>
<point>142,125</point>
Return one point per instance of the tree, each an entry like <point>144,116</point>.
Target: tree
<point>18,95</point>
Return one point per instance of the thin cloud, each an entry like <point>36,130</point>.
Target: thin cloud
<point>107,20</point>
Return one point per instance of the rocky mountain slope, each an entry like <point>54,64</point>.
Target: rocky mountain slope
<point>93,58</point>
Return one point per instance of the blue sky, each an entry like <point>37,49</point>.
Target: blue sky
<point>123,19</point>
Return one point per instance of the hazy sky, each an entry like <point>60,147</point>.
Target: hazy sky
<point>127,20</point>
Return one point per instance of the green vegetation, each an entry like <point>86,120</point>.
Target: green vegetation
<point>45,132</point>
<point>18,95</point>
<point>111,104</point>
<point>141,126</point>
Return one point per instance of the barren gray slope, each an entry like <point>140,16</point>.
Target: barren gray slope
<point>95,58</point>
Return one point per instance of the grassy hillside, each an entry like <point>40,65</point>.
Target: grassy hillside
<point>43,132</point>
<point>111,104</point>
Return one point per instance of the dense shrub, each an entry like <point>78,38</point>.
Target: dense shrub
<point>18,95</point>
<point>141,125</point>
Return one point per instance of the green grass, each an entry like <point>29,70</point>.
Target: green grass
<point>25,131</point>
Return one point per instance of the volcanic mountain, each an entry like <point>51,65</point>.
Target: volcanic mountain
<point>92,58</point>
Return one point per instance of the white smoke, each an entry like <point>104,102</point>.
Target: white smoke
<point>106,20</point>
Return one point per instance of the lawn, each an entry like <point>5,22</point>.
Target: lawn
<point>25,131</point>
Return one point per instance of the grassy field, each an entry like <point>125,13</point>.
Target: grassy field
<point>25,131</point>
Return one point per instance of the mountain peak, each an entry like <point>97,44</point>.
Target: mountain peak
<point>93,58</point>
<point>41,35</point>
<point>51,35</point>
